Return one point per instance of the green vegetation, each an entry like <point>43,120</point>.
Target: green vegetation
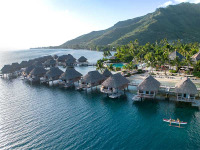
<point>156,55</point>
<point>174,22</point>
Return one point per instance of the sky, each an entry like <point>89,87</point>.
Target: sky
<point>36,23</point>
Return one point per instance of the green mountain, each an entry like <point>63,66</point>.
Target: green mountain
<point>174,22</point>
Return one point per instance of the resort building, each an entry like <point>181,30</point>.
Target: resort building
<point>7,69</point>
<point>196,57</point>
<point>176,54</point>
<point>15,67</point>
<point>36,74</point>
<point>114,84</point>
<point>91,79</point>
<point>38,63</point>
<point>70,62</point>
<point>82,61</point>
<point>148,88</point>
<point>186,90</point>
<point>50,63</point>
<point>69,77</point>
<point>53,74</point>
<point>61,59</point>
<point>27,70</point>
<point>24,64</point>
<point>107,73</point>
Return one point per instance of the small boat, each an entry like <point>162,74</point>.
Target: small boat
<point>174,121</point>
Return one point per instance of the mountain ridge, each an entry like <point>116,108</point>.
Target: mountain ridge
<point>173,22</point>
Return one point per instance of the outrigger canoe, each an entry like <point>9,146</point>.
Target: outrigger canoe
<point>174,121</point>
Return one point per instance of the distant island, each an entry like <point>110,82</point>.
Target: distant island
<point>173,22</point>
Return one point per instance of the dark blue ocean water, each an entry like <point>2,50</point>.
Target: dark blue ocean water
<point>42,117</point>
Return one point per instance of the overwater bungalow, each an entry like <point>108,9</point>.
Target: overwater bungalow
<point>27,70</point>
<point>15,67</point>
<point>38,63</point>
<point>36,74</point>
<point>91,79</point>
<point>70,62</point>
<point>186,90</point>
<point>69,77</point>
<point>61,59</point>
<point>114,84</point>
<point>196,57</point>
<point>107,73</point>
<point>176,54</point>
<point>50,63</point>
<point>6,70</point>
<point>53,74</point>
<point>24,64</point>
<point>148,88</point>
<point>82,61</point>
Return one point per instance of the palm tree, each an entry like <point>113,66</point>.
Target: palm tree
<point>110,67</point>
<point>100,65</point>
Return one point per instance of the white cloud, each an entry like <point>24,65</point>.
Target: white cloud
<point>31,23</point>
<point>174,2</point>
<point>166,4</point>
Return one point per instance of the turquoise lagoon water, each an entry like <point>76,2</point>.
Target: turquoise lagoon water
<point>42,117</point>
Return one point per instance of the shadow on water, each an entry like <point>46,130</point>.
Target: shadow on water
<point>185,112</point>
<point>147,108</point>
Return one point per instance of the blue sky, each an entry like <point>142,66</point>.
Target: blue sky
<point>36,23</point>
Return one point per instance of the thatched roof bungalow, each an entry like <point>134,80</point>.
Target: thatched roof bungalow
<point>38,63</point>
<point>7,69</point>
<point>70,62</point>
<point>196,57</point>
<point>186,90</point>
<point>15,67</point>
<point>148,87</point>
<point>27,70</point>
<point>50,63</point>
<point>53,74</point>
<point>92,78</point>
<point>82,59</point>
<point>114,83</point>
<point>70,76</point>
<point>37,72</point>
<point>107,73</point>
<point>24,64</point>
<point>175,54</point>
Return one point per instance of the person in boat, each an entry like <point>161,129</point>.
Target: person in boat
<point>178,120</point>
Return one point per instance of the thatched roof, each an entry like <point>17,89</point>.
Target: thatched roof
<point>70,74</point>
<point>6,69</point>
<point>62,58</point>
<point>38,63</point>
<point>186,86</point>
<point>15,66</point>
<point>175,54</point>
<point>70,61</point>
<point>196,57</point>
<point>29,69</point>
<point>93,77</point>
<point>38,71</point>
<point>82,59</point>
<point>55,56</point>
<point>53,72</point>
<point>113,57</point>
<point>115,81</point>
<point>50,62</point>
<point>107,73</point>
<point>24,64</point>
<point>149,84</point>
